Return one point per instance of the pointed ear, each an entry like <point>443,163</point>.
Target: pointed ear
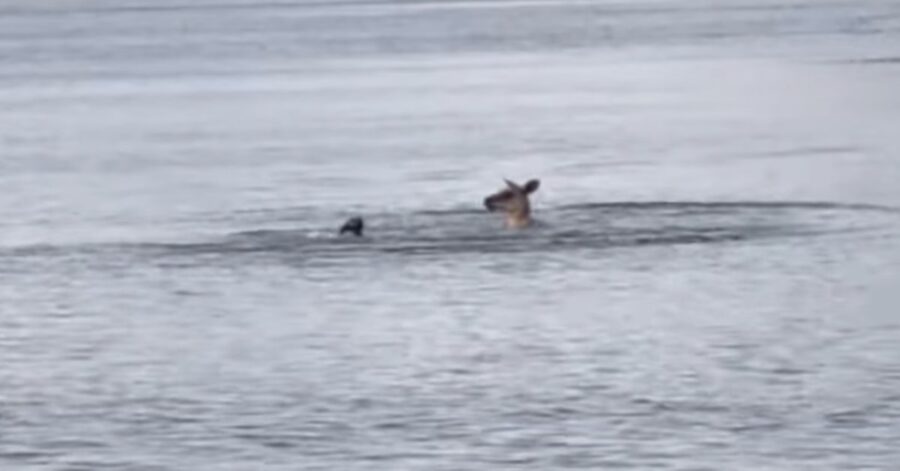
<point>532,186</point>
<point>512,185</point>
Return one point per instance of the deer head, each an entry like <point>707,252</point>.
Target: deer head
<point>513,201</point>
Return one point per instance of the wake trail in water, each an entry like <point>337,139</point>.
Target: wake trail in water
<point>585,226</point>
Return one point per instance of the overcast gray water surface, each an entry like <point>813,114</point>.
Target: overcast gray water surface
<point>711,284</point>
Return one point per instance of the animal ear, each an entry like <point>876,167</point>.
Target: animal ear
<point>532,186</point>
<point>512,185</point>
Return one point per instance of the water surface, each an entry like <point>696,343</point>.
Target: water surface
<point>711,282</point>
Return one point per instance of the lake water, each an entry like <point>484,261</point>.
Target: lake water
<point>711,283</point>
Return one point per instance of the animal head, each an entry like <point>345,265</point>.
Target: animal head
<point>513,201</point>
<point>354,226</point>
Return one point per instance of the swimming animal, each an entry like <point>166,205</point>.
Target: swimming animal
<point>354,226</point>
<point>513,201</point>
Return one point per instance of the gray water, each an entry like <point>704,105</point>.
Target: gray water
<point>711,283</point>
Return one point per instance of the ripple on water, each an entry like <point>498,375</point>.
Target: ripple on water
<point>574,227</point>
<point>591,226</point>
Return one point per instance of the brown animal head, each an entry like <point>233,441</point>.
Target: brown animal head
<point>513,201</point>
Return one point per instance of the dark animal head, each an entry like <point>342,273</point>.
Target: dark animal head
<point>354,226</point>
